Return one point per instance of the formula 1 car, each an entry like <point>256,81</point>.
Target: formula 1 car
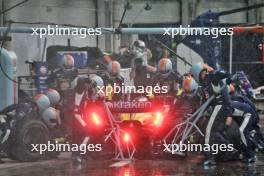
<point>140,131</point>
<point>144,122</point>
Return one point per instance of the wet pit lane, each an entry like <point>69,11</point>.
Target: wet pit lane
<point>190,166</point>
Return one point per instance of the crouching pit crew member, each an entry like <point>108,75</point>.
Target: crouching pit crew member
<point>244,105</point>
<point>212,84</point>
<point>246,116</point>
<point>247,119</point>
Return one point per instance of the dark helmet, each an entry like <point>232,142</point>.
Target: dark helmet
<point>80,87</point>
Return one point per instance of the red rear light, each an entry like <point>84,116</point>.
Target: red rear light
<point>126,138</point>
<point>96,119</point>
<point>158,118</point>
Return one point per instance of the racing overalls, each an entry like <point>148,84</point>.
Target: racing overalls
<point>246,118</point>
<point>171,80</point>
<point>245,114</point>
<point>74,105</point>
<point>141,76</point>
<point>114,81</point>
<point>213,84</point>
<point>61,78</point>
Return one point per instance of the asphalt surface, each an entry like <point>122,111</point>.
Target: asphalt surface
<point>190,166</point>
<point>179,167</point>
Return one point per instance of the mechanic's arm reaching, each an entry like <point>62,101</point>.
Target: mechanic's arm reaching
<point>78,117</point>
<point>80,97</point>
<point>77,113</point>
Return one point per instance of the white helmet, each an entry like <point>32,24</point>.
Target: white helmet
<point>165,65</point>
<point>98,82</point>
<point>139,43</point>
<point>196,69</point>
<point>53,96</point>
<point>49,116</point>
<point>68,61</point>
<point>42,101</point>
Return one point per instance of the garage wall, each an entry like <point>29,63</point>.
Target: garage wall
<point>82,12</point>
<point>77,12</point>
<point>161,12</point>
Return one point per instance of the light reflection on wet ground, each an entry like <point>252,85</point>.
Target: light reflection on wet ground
<point>178,167</point>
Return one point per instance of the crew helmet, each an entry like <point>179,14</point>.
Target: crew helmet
<point>42,101</point>
<point>114,67</point>
<point>98,83</point>
<point>189,85</point>
<point>140,44</point>
<point>165,65</point>
<point>196,70</point>
<point>53,96</point>
<point>97,80</point>
<point>49,116</point>
<point>68,61</point>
